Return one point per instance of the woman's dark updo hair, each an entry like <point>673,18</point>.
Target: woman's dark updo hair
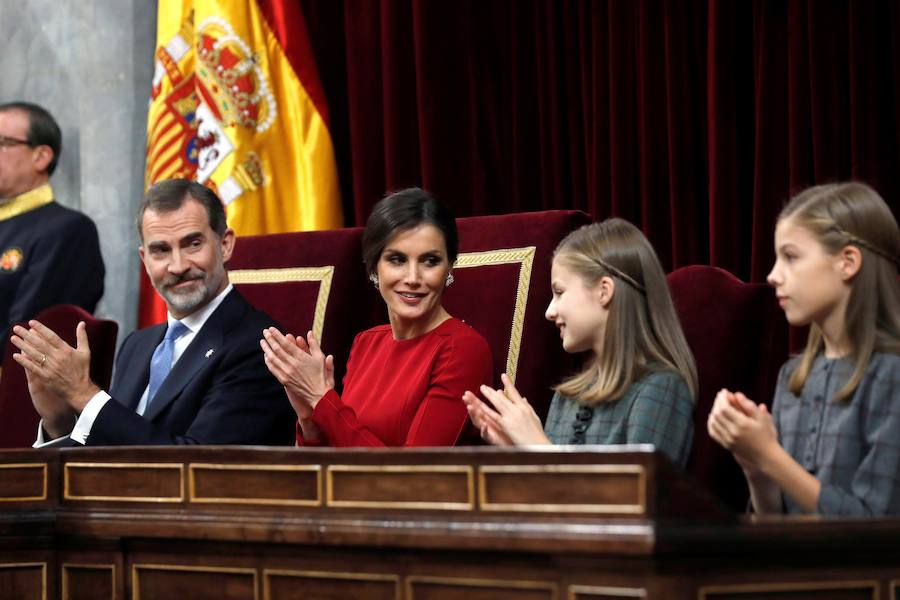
<point>402,211</point>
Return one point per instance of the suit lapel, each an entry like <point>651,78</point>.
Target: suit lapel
<point>199,353</point>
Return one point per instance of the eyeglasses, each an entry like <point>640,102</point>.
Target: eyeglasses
<point>9,142</point>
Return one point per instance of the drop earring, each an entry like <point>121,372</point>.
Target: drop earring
<point>374,279</point>
<point>450,279</point>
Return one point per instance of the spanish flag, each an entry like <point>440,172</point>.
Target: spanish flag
<point>237,105</point>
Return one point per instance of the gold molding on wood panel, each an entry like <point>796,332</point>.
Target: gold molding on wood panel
<point>631,509</point>
<point>511,584</point>
<point>135,579</point>
<point>525,257</point>
<point>377,577</point>
<point>323,275</point>
<point>467,470</point>
<point>43,496</point>
<point>192,492</point>
<point>158,499</point>
<point>605,590</point>
<point>27,565</point>
<point>97,567</point>
<point>704,592</point>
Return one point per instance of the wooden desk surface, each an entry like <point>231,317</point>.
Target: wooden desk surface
<point>473,523</point>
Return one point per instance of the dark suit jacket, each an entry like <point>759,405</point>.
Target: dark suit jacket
<point>219,391</point>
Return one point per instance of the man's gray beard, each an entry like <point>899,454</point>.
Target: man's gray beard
<point>187,302</point>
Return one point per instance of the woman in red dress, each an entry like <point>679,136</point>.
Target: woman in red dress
<point>404,380</point>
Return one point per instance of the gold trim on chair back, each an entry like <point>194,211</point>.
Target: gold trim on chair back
<point>323,275</point>
<point>525,257</point>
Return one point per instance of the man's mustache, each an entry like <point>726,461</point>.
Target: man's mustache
<point>188,276</point>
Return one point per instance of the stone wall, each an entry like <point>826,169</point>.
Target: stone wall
<point>90,63</point>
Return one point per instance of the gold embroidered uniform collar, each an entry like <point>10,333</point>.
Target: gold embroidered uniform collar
<point>28,201</point>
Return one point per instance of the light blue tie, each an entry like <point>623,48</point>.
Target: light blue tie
<point>161,363</point>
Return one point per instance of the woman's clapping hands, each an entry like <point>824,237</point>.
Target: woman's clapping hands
<point>300,366</point>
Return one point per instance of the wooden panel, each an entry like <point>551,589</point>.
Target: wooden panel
<point>88,582</point>
<point>23,581</point>
<point>283,485</point>
<point>168,582</point>
<point>895,589</point>
<point>324,585</point>
<point>451,588</point>
<point>23,482</point>
<point>812,590</point>
<point>441,487</point>
<point>124,482</point>
<point>602,592</point>
<point>603,489</point>
<point>464,553</point>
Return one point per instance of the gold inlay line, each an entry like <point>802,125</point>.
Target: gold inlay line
<point>479,582</point>
<point>605,590</point>
<point>68,495</point>
<point>192,490</point>
<point>640,507</point>
<point>704,591</point>
<point>467,470</point>
<point>43,494</point>
<point>323,275</point>
<point>525,257</point>
<point>135,575</point>
<point>94,567</point>
<point>375,577</point>
<point>28,565</point>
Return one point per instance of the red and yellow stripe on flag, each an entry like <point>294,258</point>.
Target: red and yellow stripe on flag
<point>237,105</point>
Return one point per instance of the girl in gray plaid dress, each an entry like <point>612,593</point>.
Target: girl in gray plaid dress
<point>832,443</point>
<point>610,298</point>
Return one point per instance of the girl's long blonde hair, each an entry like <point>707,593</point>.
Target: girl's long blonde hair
<point>642,327</point>
<point>853,214</point>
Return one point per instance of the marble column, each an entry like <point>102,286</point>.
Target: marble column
<point>90,63</point>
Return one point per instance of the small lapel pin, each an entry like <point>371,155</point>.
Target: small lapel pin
<point>209,352</point>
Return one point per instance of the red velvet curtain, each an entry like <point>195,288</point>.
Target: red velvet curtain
<point>694,119</point>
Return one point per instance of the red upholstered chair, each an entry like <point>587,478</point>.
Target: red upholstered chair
<point>316,280</point>
<point>311,280</point>
<point>502,289</point>
<point>739,338</point>
<point>18,419</point>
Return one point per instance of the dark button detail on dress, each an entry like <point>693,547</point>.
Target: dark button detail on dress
<point>582,422</point>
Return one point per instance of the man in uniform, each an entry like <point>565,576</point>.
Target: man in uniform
<point>49,254</point>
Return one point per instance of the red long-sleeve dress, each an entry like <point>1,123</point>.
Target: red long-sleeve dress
<point>404,392</point>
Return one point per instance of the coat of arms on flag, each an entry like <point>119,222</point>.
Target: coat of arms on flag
<point>230,109</point>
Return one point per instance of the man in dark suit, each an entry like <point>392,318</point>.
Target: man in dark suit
<point>198,379</point>
<point>49,254</point>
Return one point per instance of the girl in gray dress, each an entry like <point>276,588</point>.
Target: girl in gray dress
<point>610,298</point>
<point>832,442</point>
